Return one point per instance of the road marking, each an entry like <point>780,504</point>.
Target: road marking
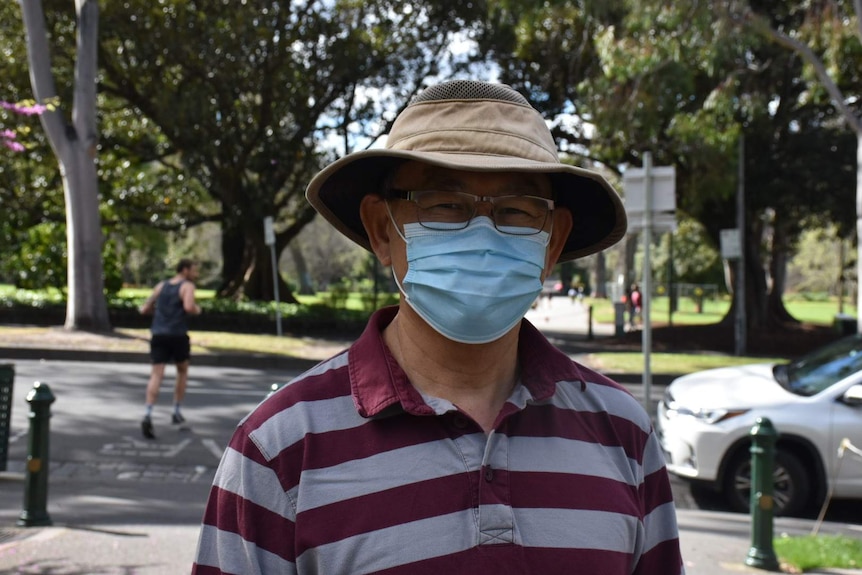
<point>14,436</point>
<point>136,447</point>
<point>213,447</point>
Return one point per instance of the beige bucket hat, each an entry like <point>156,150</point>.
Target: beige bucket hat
<point>479,127</point>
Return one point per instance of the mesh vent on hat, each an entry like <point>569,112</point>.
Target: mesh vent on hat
<point>469,90</point>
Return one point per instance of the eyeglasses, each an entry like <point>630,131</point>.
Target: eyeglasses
<point>516,215</point>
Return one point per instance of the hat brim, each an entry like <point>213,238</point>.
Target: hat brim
<point>598,215</point>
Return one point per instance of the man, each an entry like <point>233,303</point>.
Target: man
<point>170,303</point>
<point>451,437</point>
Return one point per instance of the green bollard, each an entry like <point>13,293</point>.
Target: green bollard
<point>761,554</point>
<point>35,511</point>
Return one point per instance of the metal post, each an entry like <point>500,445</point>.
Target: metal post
<point>740,320</point>
<point>275,289</point>
<point>646,285</point>
<point>269,239</point>
<point>35,512</point>
<point>761,554</point>
<point>590,322</point>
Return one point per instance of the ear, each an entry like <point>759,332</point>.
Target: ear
<point>559,235</point>
<point>375,219</point>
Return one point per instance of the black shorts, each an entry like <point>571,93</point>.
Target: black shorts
<point>170,348</point>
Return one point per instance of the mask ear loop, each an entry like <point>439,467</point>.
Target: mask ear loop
<point>394,223</point>
<point>398,230</point>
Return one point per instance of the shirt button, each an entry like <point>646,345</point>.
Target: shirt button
<point>459,421</point>
<point>489,474</point>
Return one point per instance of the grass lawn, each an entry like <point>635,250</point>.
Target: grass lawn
<point>819,312</point>
<point>818,551</point>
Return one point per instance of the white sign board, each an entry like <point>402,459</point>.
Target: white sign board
<point>268,232</point>
<point>663,189</point>
<point>661,222</point>
<point>731,246</point>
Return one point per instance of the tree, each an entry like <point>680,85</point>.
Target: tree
<point>826,36</point>
<point>74,144</point>
<point>251,98</point>
<point>685,82</point>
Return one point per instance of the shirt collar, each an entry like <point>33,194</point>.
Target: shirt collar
<point>378,383</point>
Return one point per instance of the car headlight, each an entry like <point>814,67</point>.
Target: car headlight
<point>709,416</point>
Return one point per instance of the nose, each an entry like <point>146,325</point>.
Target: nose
<point>484,208</point>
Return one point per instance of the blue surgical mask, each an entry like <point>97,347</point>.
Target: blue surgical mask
<point>475,284</point>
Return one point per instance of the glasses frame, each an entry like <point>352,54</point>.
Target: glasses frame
<point>410,196</point>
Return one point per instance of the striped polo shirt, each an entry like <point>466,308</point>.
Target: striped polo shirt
<point>349,469</point>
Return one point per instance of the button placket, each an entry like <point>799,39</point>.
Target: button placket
<point>496,518</point>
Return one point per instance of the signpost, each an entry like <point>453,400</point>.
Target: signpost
<point>650,205</point>
<point>269,239</point>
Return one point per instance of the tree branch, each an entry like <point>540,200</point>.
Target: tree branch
<point>41,78</point>
<point>84,106</point>
<point>806,53</point>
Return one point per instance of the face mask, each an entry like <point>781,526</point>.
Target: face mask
<point>472,285</point>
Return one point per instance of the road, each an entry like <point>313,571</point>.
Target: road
<point>95,431</point>
<point>98,407</point>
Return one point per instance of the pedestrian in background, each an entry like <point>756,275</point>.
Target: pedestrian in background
<point>452,436</point>
<point>170,303</point>
<point>635,302</point>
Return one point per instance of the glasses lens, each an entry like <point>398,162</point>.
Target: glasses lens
<point>522,215</point>
<point>440,210</point>
<point>517,215</point>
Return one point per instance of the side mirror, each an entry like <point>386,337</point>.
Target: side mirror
<point>853,396</point>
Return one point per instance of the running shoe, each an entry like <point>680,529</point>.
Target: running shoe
<point>147,428</point>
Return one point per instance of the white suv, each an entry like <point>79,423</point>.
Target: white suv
<point>815,404</point>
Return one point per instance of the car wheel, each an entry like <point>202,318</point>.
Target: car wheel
<point>791,484</point>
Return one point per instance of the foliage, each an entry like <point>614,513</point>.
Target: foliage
<point>40,259</point>
<point>686,81</point>
<point>329,256</point>
<point>221,308</point>
<point>817,265</point>
<point>695,259</point>
<point>819,551</point>
<point>9,137</point>
<point>37,259</point>
<point>248,100</point>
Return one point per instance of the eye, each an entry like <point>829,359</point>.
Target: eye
<point>520,206</point>
<point>442,201</point>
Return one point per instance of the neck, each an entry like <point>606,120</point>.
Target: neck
<point>476,378</point>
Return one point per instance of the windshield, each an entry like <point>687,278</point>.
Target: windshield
<point>812,373</point>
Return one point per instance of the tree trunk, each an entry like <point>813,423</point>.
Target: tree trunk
<point>776,312</point>
<point>600,280</point>
<point>74,146</point>
<point>305,287</point>
<point>755,275</point>
<point>234,261</point>
<point>259,284</point>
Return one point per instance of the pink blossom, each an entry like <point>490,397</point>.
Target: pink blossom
<point>8,134</point>
<point>14,146</point>
<point>33,110</point>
